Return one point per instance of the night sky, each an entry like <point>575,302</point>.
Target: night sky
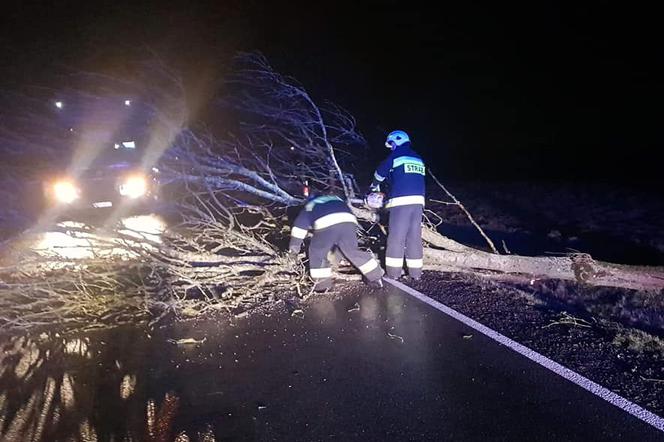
<point>535,92</point>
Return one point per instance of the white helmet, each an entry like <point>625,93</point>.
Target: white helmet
<point>396,138</point>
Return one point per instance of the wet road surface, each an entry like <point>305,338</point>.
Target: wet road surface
<point>372,366</point>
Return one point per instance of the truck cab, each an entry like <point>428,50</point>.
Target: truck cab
<point>109,167</point>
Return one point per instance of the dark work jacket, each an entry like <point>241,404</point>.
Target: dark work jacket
<point>405,171</point>
<point>319,213</point>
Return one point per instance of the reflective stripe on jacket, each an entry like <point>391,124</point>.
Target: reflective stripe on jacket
<point>405,171</point>
<point>319,213</point>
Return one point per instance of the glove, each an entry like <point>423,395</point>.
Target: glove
<point>374,200</point>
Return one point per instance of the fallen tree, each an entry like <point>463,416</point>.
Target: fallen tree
<point>233,188</point>
<point>82,276</point>
<point>288,127</point>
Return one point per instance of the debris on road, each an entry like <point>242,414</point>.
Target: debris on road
<point>567,319</point>
<point>186,341</point>
<point>298,313</point>
<point>395,337</point>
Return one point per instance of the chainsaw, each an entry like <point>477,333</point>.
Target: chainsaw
<point>374,200</point>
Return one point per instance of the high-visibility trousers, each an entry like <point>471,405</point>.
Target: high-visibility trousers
<point>405,238</point>
<point>343,236</point>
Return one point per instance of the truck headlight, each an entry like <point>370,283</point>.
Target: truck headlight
<point>134,186</point>
<point>65,191</point>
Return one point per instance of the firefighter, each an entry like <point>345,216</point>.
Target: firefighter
<point>405,172</point>
<point>334,225</point>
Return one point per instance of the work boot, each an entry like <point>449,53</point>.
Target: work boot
<point>377,284</point>
<point>392,274</point>
<point>415,274</point>
<point>323,285</point>
<point>404,277</point>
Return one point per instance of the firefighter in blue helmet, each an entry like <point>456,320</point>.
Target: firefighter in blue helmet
<point>405,172</point>
<point>333,225</point>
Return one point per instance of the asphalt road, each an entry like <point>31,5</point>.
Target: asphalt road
<point>372,367</point>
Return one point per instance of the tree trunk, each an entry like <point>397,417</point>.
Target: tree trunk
<point>576,267</point>
<point>444,254</point>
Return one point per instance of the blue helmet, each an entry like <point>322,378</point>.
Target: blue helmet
<point>396,138</point>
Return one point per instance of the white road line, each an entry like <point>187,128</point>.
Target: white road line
<point>572,376</point>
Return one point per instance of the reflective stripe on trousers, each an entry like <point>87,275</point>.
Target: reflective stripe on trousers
<point>298,233</point>
<point>393,262</point>
<point>325,272</point>
<point>368,266</point>
<point>343,236</point>
<point>405,238</point>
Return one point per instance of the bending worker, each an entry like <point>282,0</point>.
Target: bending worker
<point>334,225</point>
<point>405,172</point>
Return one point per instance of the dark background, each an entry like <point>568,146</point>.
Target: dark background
<point>486,91</point>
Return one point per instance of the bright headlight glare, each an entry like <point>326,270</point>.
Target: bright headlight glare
<point>65,191</point>
<point>134,186</point>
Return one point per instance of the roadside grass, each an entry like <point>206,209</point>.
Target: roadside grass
<point>639,341</point>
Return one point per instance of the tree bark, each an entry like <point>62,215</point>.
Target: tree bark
<point>444,254</point>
